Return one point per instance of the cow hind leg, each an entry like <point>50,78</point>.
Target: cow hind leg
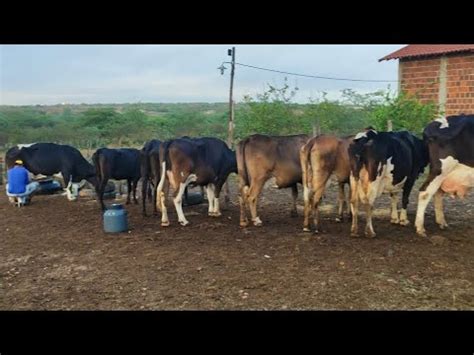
<point>427,191</point>
<point>253,193</point>
<point>308,203</point>
<point>369,229</point>
<point>129,191</point>
<point>210,199</point>
<point>294,195</point>
<point>439,213</point>
<point>134,187</point>
<point>178,200</point>
<point>394,215</point>
<point>354,207</point>
<point>340,201</point>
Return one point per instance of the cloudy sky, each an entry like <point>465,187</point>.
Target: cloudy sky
<point>52,74</point>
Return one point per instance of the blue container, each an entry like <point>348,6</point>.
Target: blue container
<point>115,219</point>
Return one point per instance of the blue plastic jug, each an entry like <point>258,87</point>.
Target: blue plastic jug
<point>115,219</point>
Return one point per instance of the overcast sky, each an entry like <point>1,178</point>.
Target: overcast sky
<point>52,74</point>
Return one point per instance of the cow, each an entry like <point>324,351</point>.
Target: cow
<point>51,159</point>
<point>321,157</point>
<point>384,162</point>
<point>150,171</point>
<point>450,144</point>
<point>194,161</point>
<point>260,157</point>
<point>118,164</point>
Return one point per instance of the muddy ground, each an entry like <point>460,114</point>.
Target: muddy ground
<point>55,256</point>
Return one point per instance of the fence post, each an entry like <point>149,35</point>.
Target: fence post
<point>389,126</point>
<point>1,171</point>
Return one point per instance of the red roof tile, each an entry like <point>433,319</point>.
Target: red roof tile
<point>419,50</point>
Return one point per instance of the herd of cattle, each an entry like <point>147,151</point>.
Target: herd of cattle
<point>370,162</point>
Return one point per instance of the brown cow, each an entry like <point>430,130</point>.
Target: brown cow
<point>260,157</point>
<point>321,157</point>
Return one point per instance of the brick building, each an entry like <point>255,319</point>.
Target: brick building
<point>443,74</point>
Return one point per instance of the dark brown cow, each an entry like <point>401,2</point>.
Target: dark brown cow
<point>259,157</point>
<point>450,144</point>
<point>187,161</point>
<point>322,157</point>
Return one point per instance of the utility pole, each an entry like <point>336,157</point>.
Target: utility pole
<point>230,137</point>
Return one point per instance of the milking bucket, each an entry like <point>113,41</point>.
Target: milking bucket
<point>115,219</point>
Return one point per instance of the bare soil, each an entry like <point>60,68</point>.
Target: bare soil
<point>54,255</point>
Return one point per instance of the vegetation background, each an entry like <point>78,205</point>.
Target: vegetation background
<point>273,111</point>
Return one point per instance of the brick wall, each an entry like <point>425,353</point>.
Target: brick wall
<point>420,77</point>
<point>460,84</point>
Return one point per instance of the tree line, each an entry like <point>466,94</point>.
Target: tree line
<point>273,111</point>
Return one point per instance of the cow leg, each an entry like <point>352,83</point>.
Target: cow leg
<point>340,200</point>
<point>178,200</point>
<point>427,191</point>
<point>294,195</point>
<point>354,207</point>
<point>394,216</point>
<point>100,192</point>
<point>318,194</point>
<point>308,203</point>
<point>129,191</point>
<point>134,187</point>
<point>210,199</point>
<point>369,229</point>
<point>161,196</point>
<point>243,198</point>
<point>217,194</point>
<point>253,193</point>
<point>405,198</point>
<point>145,189</point>
<point>439,213</point>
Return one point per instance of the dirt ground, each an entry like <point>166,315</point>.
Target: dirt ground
<point>55,256</point>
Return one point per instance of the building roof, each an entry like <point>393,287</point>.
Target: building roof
<point>422,50</point>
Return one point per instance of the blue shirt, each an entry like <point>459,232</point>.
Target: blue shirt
<point>17,180</point>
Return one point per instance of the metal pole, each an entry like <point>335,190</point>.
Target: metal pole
<point>230,136</point>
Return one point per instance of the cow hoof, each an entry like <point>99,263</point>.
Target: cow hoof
<point>165,224</point>
<point>443,225</point>
<point>184,223</point>
<point>339,219</point>
<point>355,234</point>
<point>370,235</point>
<point>404,222</point>
<point>395,221</point>
<point>244,224</point>
<point>422,234</point>
<point>257,222</point>
<point>307,230</point>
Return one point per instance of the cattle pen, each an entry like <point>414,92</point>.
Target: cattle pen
<point>55,256</point>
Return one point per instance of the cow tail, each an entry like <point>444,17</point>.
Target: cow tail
<point>97,160</point>
<point>241,164</point>
<point>164,165</point>
<point>306,168</point>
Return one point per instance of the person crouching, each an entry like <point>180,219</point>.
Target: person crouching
<point>19,188</point>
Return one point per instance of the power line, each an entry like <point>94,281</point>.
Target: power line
<point>312,76</point>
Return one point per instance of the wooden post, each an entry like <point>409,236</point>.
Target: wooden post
<point>230,133</point>
<point>1,171</point>
<point>389,126</point>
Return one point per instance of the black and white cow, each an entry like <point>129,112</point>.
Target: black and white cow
<point>150,171</point>
<point>51,159</point>
<point>117,164</point>
<point>194,161</point>
<point>384,162</point>
<point>451,152</point>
